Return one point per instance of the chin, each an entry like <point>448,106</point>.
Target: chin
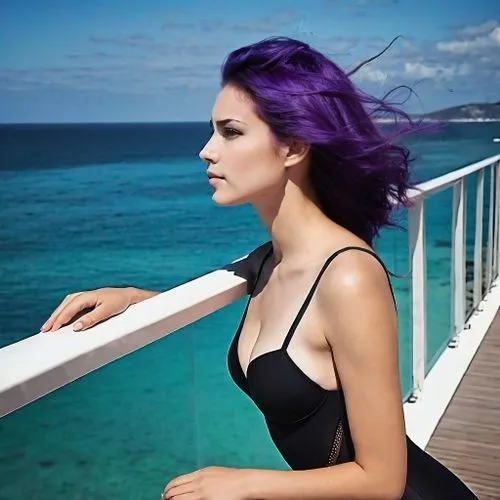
<point>226,201</point>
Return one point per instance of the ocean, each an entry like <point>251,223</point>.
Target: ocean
<point>86,206</point>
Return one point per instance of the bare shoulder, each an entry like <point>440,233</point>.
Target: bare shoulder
<point>355,283</point>
<point>354,269</point>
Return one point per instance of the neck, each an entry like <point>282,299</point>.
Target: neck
<point>299,229</point>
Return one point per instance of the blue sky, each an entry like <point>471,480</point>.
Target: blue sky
<point>152,60</point>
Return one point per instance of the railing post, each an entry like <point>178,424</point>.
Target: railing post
<point>458,260</point>
<point>489,249</point>
<point>496,232</point>
<point>417,258</point>
<point>478,241</point>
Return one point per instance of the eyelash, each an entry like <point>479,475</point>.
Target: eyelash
<point>227,132</point>
<point>230,132</point>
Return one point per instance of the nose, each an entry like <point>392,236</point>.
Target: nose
<point>208,153</point>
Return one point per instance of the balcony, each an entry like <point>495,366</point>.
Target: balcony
<point>187,401</point>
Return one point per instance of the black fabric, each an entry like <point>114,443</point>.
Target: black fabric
<point>302,417</point>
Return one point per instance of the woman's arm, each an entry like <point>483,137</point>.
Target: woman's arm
<point>139,294</point>
<point>355,301</point>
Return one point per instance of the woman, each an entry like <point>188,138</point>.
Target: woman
<point>317,347</point>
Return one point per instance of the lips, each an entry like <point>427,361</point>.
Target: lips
<point>211,175</point>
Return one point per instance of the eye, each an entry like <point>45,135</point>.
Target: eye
<point>230,132</point>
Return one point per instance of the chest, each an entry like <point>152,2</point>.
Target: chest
<point>283,315</point>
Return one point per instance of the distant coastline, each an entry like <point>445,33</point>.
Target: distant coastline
<point>463,120</point>
<point>465,113</point>
<point>473,112</point>
<point>437,120</point>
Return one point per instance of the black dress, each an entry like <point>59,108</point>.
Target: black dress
<point>308,423</point>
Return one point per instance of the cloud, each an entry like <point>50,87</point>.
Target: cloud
<point>468,59</point>
<point>365,74</point>
<point>201,39</point>
<point>140,78</point>
<point>273,24</point>
<point>479,29</point>
<point>127,41</point>
<point>194,47</point>
<point>338,44</point>
<point>363,3</point>
<point>436,72</point>
<point>489,39</point>
<point>141,64</point>
<point>204,25</point>
<point>360,8</point>
<point>376,3</point>
<point>94,55</point>
<point>191,50</point>
<point>467,62</point>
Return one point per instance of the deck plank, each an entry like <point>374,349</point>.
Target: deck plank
<point>467,438</point>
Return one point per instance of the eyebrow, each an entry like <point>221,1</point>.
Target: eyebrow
<point>221,123</point>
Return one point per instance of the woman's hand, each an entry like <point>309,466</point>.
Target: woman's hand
<point>103,302</point>
<point>210,483</point>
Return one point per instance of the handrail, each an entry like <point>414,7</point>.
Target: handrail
<point>433,186</point>
<point>41,363</point>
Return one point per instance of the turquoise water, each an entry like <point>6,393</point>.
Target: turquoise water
<point>91,206</point>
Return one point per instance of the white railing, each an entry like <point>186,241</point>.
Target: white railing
<point>417,249</point>
<point>37,365</point>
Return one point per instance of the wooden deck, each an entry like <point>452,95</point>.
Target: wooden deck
<point>467,439</point>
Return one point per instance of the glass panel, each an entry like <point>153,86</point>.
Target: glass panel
<point>131,426</point>
<point>470,232</point>
<point>486,219</point>
<point>231,430</point>
<point>494,176</point>
<point>120,432</point>
<point>392,246</point>
<point>438,220</point>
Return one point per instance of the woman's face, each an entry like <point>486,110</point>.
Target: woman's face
<point>243,151</point>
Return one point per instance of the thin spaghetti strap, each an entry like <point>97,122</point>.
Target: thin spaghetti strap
<point>313,288</point>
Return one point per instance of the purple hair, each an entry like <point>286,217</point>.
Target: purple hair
<point>355,168</point>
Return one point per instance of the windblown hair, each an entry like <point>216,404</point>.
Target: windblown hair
<point>357,170</point>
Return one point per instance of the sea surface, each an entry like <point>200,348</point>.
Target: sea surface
<point>87,206</point>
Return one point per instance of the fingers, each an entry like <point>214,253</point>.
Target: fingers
<point>50,321</point>
<point>100,313</point>
<point>68,308</point>
<point>181,485</point>
<point>182,496</point>
<point>183,491</point>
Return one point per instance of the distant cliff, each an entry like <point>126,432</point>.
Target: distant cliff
<point>467,112</point>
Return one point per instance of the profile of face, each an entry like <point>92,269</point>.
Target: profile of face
<point>242,151</point>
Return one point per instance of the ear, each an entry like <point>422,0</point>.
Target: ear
<point>296,152</point>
